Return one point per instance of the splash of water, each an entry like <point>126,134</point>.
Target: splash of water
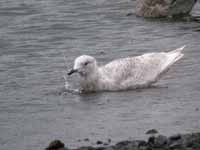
<point>69,88</point>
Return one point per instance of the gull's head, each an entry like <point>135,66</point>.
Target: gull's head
<point>84,65</point>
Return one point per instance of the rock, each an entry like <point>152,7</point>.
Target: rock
<point>175,137</point>
<point>164,8</point>
<point>151,140</point>
<point>86,139</point>
<point>86,148</point>
<point>55,145</point>
<point>99,142</point>
<point>123,143</point>
<point>129,14</point>
<point>152,131</point>
<point>180,8</point>
<point>100,148</point>
<point>160,141</point>
<point>105,144</point>
<point>109,140</point>
<point>176,145</point>
<point>142,145</point>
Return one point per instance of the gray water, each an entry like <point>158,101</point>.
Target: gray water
<point>39,40</point>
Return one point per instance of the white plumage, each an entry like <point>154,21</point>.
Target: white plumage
<point>125,73</point>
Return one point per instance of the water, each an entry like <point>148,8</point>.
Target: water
<point>35,35</point>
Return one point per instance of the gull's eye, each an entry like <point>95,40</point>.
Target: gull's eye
<point>86,63</point>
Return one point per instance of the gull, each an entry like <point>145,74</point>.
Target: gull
<point>124,73</point>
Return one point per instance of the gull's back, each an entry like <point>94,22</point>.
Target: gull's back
<point>139,71</point>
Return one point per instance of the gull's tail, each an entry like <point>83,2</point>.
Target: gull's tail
<point>172,57</point>
<point>176,54</point>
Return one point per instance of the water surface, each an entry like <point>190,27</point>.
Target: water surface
<point>39,40</point>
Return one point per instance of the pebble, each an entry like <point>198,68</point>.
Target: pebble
<point>177,144</point>
<point>129,14</point>
<point>56,144</point>
<point>99,142</point>
<point>86,139</point>
<point>109,140</point>
<point>105,144</point>
<point>175,137</point>
<point>160,141</point>
<point>152,131</point>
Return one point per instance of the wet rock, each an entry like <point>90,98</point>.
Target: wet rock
<point>102,53</point>
<point>56,145</point>
<point>105,144</point>
<point>152,132</point>
<point>160,141</point>
<point>123,143</point>
<point>101,148</point>
<point>99,142</point>
<point>109,140</point>
<point>176,145</point>
<point>164,8</point>
<point>142,145</point>
<point>151,140</point>
<point>86,148</point>
<point>86,139</point>
<point>175,137</point>
<point>129,14</point>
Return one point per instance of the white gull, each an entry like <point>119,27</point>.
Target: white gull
<point>125,73</point>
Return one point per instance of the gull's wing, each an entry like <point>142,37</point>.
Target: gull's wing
<point>141,69</point>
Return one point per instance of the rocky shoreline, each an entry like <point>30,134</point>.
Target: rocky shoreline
<point>154,142</point>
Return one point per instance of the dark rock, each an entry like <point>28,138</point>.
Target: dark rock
<point>86,139</point>
<point>123,143</point>
<point>160,141</point>
<point>109,140</point>
<point>86,148</point>
<point>55,145</point>
<point>142,145</point>
<point>152,131</point>
<point>102,53</point>
<point>176,145</point>
<point>151,140</point>
<point>127,145</point>
<point>99,142</point>
<point>100,148</point>
<point>129,14</point>
<point>105,144</point>
<point>175,137</point>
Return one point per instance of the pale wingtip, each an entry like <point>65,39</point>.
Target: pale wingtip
<point>182,47</point>
<point>179,50</point>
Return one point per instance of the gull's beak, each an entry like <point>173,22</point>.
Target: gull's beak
<point>72,71</point>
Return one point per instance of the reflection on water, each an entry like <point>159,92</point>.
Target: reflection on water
<point>35,36</point>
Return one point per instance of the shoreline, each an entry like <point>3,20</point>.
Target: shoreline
<point>156,141</point>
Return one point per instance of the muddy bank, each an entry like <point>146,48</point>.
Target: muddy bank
<point>154,142</point>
